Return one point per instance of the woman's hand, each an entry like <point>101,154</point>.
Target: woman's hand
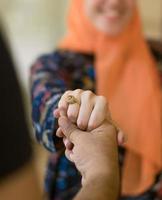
<point>88,112</point>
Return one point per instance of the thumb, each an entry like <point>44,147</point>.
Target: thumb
<point>68,128</point>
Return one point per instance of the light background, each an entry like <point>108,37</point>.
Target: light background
<point>34,27</point>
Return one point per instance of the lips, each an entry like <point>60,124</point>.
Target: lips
<point>112,16</point>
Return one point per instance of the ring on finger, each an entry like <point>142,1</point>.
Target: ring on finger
<point>72,100</point>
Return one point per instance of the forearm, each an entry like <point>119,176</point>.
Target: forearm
<point>51,76</point>
<point>46,89</point>
<point>45,124</point>
<point>98,188</point>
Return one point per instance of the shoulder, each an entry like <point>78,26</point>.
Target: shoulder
<point>60,56</point>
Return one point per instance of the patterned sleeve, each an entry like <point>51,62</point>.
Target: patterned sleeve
<point>51,76</point>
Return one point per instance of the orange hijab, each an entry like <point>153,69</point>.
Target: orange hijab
<point>127,76</point>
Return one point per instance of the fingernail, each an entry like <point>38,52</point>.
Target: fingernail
<point>56,113</point>
<point>65,142</point>
<point>124,139</point>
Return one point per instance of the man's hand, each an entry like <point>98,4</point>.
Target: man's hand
<point>94,153</point>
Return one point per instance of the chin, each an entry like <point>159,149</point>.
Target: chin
<point>111,30</point>
<point>114,32</point>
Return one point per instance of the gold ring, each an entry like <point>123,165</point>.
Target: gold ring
<point>72,100</point>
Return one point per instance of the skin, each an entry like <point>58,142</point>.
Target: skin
<point>88,114</point>
<point>110,16</point>
<point>95,155</point>
<point>91,143</point>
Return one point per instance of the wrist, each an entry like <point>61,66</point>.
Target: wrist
<point>102,175</point>
<point>104,183</point>
<point>103,169</point>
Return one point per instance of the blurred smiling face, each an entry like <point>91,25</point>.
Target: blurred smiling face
<point>110,16</point>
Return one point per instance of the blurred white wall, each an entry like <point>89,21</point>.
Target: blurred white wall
<point>35,26</point>
<point>151,12</point>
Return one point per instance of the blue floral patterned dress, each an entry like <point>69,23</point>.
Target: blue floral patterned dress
<point>51,76</point>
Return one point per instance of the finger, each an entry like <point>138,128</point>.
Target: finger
<point>59,133</point>
<point>122,138</point>
<point>86,107</point>
<point>69,129</point>
<point>56,113</point>
<point>73,109</point>
<point>68,144</point>
<point>68,154</point>
<point>63,103</point>
<point>99,113</point>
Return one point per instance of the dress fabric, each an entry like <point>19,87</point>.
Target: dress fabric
<point>51,76</point>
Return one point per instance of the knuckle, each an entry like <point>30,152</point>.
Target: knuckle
<point>103,100</point>
<point>67,93</point>
<point>72,117</point>
<point>61,105</point>
<point>78,91</point>
<point>88,94</point>
<point>62,99</point>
